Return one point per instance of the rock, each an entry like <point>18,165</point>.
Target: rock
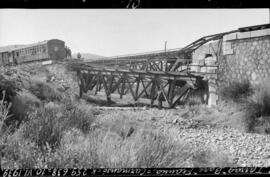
<point>175,121</point>
<point>153,118</point>
<point>221,138</point>
<point>130,131</point>
<point>253,76</point>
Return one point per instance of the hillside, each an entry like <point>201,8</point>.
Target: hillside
<point>58,129</point>
<point>9,47</point>
<point>88,56</point>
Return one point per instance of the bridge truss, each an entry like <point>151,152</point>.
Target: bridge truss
<point>161,76</point>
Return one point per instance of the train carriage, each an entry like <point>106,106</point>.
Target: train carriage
<point>4,58</point>
<point>53,49</point>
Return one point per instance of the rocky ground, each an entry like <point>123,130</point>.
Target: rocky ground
<point>246,149</point>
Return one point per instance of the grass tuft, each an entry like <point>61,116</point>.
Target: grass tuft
<point>237,91</point>
<point>45,91</point>
<point>258,108</point>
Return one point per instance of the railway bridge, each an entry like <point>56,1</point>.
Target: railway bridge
<point>160,76</point>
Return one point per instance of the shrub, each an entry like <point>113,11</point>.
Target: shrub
<point>160,151</point>
<point>124,126</point>
<point>4,116</point>
<point>46,125</point>
<point>103,148</point>
<point>23,103</point>
<point>79,116</point>
<point>18,152</point>
<point>45,91</point>
<point>115,152</point>
<point>10,88</point>
<point>237,91</point>
<point>211,157</point>
<point>145,147</point>
<point>75,151</point>
<point>194,100</point>
<point>258,107</point>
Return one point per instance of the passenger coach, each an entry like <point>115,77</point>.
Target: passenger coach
<point>47,50</point>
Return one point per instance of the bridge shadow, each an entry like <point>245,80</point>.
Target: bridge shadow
<point>99,100</point>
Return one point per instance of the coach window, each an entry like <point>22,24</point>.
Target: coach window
<point>43,49</point>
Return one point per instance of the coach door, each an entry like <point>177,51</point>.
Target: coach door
<point>10,57</point>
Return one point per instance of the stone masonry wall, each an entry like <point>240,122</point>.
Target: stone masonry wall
<point>244,56</point>
<point>209,48</point>
<point>250,59</point>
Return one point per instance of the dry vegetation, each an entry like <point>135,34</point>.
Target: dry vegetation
<point>55,130</point>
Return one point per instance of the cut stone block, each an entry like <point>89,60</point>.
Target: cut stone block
<point>243,35</point>
<point>212,89</point>
<point>211,70</point>
<point>268,31</point>
<point>259,33</point>
<point>212,100</point>
<point>229,37</point>
<point>195,68</point>
<point>228,52</point>
<point>227,46</point>
<point>204,69</point>
<point>47,62</point>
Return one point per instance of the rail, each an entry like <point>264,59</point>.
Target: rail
<point>191,47</point>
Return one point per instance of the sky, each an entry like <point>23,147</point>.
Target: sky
<point>112,32</point>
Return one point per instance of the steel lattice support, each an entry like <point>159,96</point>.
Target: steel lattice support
<point>157,88</point>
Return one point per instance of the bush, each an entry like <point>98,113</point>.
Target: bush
<point>194,100</point>
<point>211,157</point>
<point>46,125</point>
<point>160,151</point>
<point>9,87</point>
<point>45,91</point>
<point>4,115</point>
<point>23,103</point>
<point>258,107</point>
<point>75,151</point>
<point>103,148</point>
<point>129,144</point>
<point>237,91</point>
<point>78,116</point>
<point>18,152</point>
<point>124,126</point>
